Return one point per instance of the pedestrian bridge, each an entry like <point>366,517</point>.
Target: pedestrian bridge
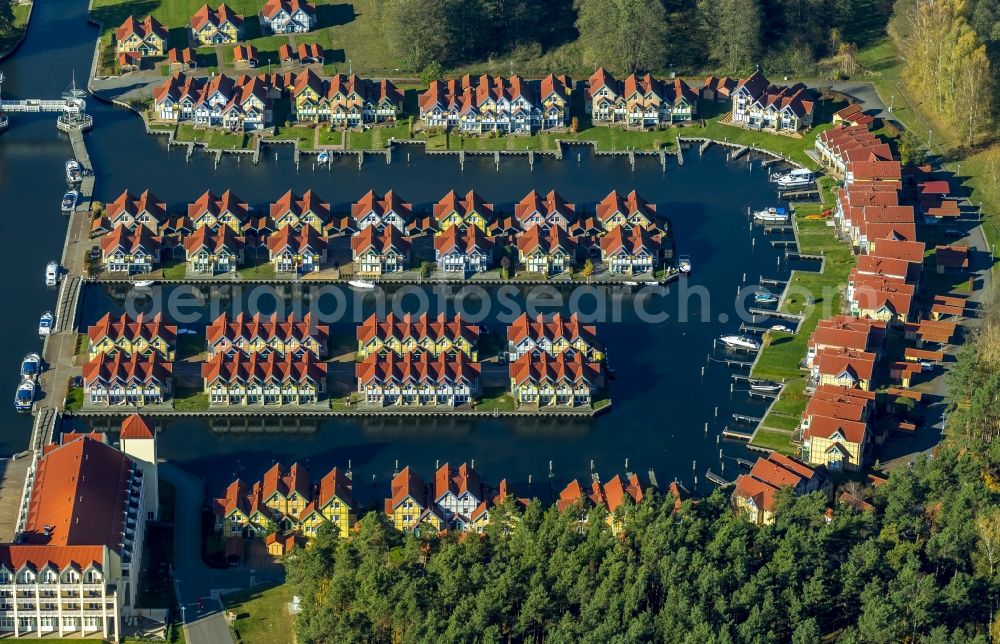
<point>72,108</point>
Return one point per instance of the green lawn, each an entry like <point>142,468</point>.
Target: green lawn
<point>10,37</point>
<point>212,138</point>
<point>262,615</point>
<point>376,138</point>
<point>496,399</point>
<point>74,399</point>
<point>776,440</point>
<point>304,135</point>
<point>261,271</point>
<point>175,270</point>
<point>188,399</point>
<point>817,296</point>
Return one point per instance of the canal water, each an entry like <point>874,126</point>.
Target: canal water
<point>661,401</point>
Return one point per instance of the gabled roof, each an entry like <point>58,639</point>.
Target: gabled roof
<point>278,480</point>
<point>296,241</point>
<point>628,206</point>
<point>130,241</point>
<point>125,327</point>
<point>79,496</point>
<point>459,481</point>
<point>266,328</point>
<point>557,370</point>
<point>135,427</point>
<point>209,203</point>
<point>406,484</point>
<point>273,7</point>
<point>216,17</point>
<point>545,206</point>
<point>463,205</point>
<point>548,240</point>
<point>632,241</point>
<point>617,490</point>
<point>144,28</point>
<point>264,369</point>
<point>129,370</point>
<point>419,328</point>
<point>389,202</point>
<point>416,370</point>
<point>381,240</point>
<point>464,242</point>
<point>222,238</point>
<point>552,328</point>
<point>833,361</point>
<point>335,485</point>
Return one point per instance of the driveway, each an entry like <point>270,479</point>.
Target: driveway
<point>198,587</point>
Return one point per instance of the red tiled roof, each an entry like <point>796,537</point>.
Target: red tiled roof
<point>135,427</point>
<point>463,205</point>
<point>422,368</point>
<point>628,206</point>
<point>911,251</point>
<point>270,368</point>
<point>208,203</point>
<point>222,238</point>
<point>557,369</point>
<point>454,239</point>
<point>296,241</point>
<point>381,240</point>
<point>215,16</point>
<point>181,55</point>
<point>130,241</point>
<point>266,328</point>
<point>545,206</point>
<point>148,25</point>
<point>632,241</point>
<point>827,427</point>
<point>553,328</point>
<point>405,484</point>
<point>79,496</point>
<point>389,202</point>
<point>832,361</point>
<point>125,327</point>
<point>420,328</point>
<point>272,7</point>
<point>457,481</point>
<point>134,369</point>
<point>335,484</point>
<point>549,240</point>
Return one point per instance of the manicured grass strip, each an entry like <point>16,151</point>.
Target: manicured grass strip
<point>262,615</point>
<point>774,439</point>
<point>498,400</point>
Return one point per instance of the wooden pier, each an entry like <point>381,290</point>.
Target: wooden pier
<point>795,194</point>
<point>749,420</point>
<point>791,254</point>
<point>736,154</point>
<point>784,243</point>
<point>718,480</point>
<point>736,435</point>
<point>767,281</point>
<point>739,364</point>
<point>776,314</point>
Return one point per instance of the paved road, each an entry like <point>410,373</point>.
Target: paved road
<point>197,586</point>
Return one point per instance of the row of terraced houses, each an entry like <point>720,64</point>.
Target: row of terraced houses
<point>479,105</point>
<point>285,508</point>
<point>551,235</point>
<point>401,362</point>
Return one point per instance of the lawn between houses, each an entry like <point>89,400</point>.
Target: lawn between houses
<point>783,352</point>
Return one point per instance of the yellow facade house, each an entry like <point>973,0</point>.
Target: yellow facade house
<point>144,336</point>
<point>336,501</point>
<point>403,335</point>
<point>221,26</point>
<point>464,212</point>
<point>145,37</point>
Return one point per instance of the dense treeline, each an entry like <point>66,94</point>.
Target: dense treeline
<point>732,36</point>
<point>920,568</point>
<point>951,49</point>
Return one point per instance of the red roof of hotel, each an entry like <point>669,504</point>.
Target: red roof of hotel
<point>875,171</point>
<point>840,407</point>
<point>80,494</point>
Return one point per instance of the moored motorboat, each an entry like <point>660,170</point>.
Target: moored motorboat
<point>763,297</point>
<point>771,215</point>
<point>143,283</point>
<point>73,172</point>
<point>630,283</point>
<point>740,342</point>
<point>31,366</point>
<point>684,264</point>
<point>798,178</point>
<point>361,284</point>
<point>765,386</point>
<point>52,273</point>
<point>323,157</point>
<point>781,327</point>
<point>69,201</point>
<point>24,396</point>
<point>45,323</point>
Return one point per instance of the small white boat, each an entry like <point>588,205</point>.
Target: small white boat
<point>323,157</point>
<point>765,386</point>
<point>771,215</point>
<point>31,366</point>
<point>798,178</point>
<point>69,201</point>
<point>684,264</point>
<point>186,332</point>
<point>24,396</point>
<point>361,284</point>
<point>143,283</point>
<point>73,172</point>
<point>740,342</point>
<point>45,323</point>
<point>781,327</point>
<point>52,273</point>
<point>630,283</point>
<point>763,297</point>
